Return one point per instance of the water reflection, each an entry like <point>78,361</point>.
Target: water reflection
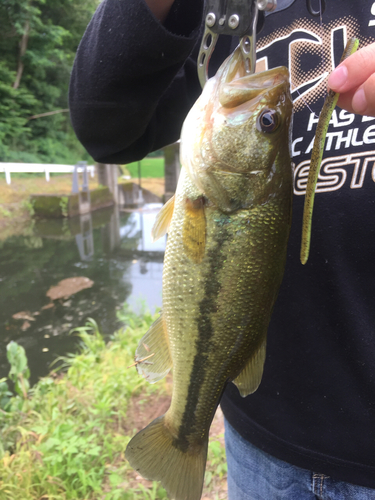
<point>147,266</point>
<point>85,240</point>
<point>111,247</point>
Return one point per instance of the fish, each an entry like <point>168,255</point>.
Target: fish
<point>228,227</point>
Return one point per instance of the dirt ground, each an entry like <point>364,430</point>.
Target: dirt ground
<point>15,212</point>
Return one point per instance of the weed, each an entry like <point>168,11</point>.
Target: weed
<point>64,201</point>
<point>29,206</point>
<point>19,371</point>
<point>65,438</point>
<point>4,212</point>
<point>217,464</point>
<point>5,394</point>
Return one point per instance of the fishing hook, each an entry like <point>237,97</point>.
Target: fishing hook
<point>316,13</point>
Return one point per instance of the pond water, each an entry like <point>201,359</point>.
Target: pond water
<point>111,247</point>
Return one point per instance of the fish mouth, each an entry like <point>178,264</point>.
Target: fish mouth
<point>237,87</point>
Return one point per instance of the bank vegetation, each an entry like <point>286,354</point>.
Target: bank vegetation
<point>65,438</point>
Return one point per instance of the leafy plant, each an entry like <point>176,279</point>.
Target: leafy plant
<point>67,440</point>
<point>19,372</point>
<point>5,394</point>
<point>4,212</point>
<point>64,201</point>
<point>38,41</point>
<point>29,206</point>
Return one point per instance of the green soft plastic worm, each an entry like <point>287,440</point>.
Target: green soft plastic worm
<point>316,157</point>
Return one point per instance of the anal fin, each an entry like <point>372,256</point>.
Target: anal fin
<point>163,219</point>
<point>152,356</point>
<point>249,379</point>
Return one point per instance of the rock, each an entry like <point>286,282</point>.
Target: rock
<point>23,315</point>
<point>68,287</point>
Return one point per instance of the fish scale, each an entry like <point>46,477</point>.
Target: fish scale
<point>238,245</point>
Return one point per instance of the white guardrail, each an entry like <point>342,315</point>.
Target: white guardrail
<point>30,168</point>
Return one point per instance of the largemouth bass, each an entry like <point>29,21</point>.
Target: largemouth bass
<point>224,262</point>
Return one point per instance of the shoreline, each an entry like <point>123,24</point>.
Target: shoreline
<point>16,211</point>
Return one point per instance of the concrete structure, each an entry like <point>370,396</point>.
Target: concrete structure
<point>83,189</point>
<point>107,176</point>
<point>171,169</point>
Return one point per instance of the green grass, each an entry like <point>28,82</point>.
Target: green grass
<point>66,441</point>
<point>150,167</point>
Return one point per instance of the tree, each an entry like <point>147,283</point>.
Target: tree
<point>38,42</point>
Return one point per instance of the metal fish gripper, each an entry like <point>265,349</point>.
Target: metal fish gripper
<point>242,18</point>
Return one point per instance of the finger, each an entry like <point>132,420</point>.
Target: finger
<point>363,101</point>
<point>345,101</point>
<point>354,71</point>
<point>360,100</point>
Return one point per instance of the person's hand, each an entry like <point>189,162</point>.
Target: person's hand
<point>160,8</point>
<point>354,78</point>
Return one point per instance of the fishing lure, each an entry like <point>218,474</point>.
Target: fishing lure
<point>316,157</point>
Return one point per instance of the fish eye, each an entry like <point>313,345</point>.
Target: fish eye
<point>268,120</point>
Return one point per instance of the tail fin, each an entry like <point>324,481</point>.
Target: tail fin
<point>153,454</point>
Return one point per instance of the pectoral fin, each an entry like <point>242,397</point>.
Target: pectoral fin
<point>163,219</point>
<point>194,229</point>
<point>152,356</point>
<point>249,379</point>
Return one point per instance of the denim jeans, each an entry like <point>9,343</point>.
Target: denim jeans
<point>255,475</point>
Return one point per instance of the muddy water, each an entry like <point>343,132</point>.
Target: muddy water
<point>111,247</point>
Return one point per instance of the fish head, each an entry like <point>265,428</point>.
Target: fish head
<point>235,142</point>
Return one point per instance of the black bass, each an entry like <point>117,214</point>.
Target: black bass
<point>228,230</point>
